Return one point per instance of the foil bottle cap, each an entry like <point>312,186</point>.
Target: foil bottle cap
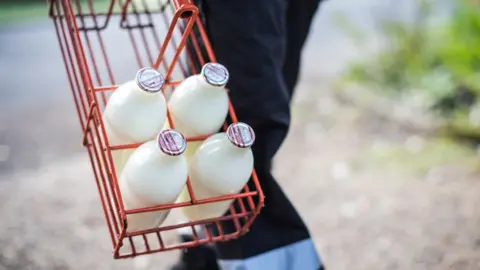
<point>172,142</point>
<point>215,74</point>
<point>149,80</point>
<point>241,135</point>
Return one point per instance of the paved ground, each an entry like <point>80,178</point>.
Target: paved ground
<point>362,214</point>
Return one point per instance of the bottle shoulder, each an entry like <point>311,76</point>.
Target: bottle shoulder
<point>149,162</point>
<point>187,85</point>
<point>195,87</point>
<point>130,92</point>
<point>218,146</point>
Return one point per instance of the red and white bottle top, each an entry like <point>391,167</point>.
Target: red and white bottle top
<point>241,135</point>
<point>149,80</point>
<point>215,74</point>
<point>171,142</point>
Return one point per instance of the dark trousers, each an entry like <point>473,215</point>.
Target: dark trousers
<point>260,42</point>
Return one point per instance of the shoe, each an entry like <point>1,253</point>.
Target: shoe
<point>197,258</point>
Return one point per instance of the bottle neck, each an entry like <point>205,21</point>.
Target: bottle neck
<point>162,155</point>
<point>140,93</point>
<point>208,87</point>
<point>231,148</point>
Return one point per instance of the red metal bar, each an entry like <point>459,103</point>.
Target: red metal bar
<point>145,240</point>
<point>191,21</point>
<point>202,201</point>
<point>188,224</point>
<point>179,4</point>
<point>87,125</point>
<point>193,200</point>
<point>160,240</point>
<point>112,88</point>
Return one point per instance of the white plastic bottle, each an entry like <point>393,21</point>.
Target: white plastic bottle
<point>155,174</point>
<point>199,105</point>
<point>222,165</point>
<point>135,113</point>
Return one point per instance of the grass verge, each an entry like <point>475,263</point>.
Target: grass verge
<point>14,12</point>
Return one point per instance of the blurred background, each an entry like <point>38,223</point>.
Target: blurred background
<point>386,136</point>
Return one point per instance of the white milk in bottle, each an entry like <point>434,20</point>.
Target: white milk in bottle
<point>155,174</point>
<point>199,105</point>
<point>135,113</point>
<point>222,165</point>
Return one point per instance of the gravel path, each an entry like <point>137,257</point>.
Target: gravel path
<point>368,216</point>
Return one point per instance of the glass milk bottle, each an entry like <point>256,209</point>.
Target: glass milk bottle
<point>222,165</point>
<point>155,174</point>
<point>135,113</point>
<point>199,105</point>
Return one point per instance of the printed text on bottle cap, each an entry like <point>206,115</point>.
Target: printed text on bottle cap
<point>241,134</point>
<point>150,79</point>
<point>171,142</point>
<point>215,74</point>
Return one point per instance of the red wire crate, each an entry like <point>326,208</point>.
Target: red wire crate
<point>103,43</point>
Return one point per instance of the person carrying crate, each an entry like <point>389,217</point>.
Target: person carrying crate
<point>260,42</point>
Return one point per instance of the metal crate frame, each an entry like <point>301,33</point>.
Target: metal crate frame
<point>80,26</point>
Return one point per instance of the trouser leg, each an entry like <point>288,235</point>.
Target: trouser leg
<point>299,18</point>
<point>300,15</point>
